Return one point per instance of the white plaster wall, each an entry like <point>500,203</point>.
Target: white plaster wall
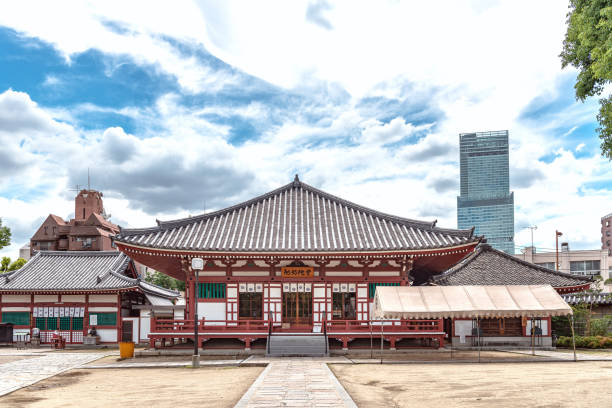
<point>107,335</point>
<point>15,298</point>
<point>73,298</point>
<point>45,298</point>
<point>103,309</point>
<point>15,309</point>
<point>102,298</point>
<point>145,325</point>
<point>212,311</point>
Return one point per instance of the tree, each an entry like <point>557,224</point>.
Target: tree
<point>7,266</point>
<point>5,235</point>
<point>163,280</point>
<point>588,47</point>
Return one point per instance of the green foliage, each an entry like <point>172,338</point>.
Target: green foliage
<point>164,281</point>
<point>608,281</point>
<point>592,342</point>
<point>5,235</point>
<point>588,47</point>
<point>7,266</point>
<point>599,327</point>
<point>4,264</point>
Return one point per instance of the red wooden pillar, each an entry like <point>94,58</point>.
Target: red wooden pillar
<point>119,323</point>
<point>392,343</point>
<point>191,298</point>
<point>32,320</point>
<point>86,316</point>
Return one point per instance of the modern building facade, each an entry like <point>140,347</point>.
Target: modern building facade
<point>485,201</point>
<point>606,233</point>
<point>587,262</point>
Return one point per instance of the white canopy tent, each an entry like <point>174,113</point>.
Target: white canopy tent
<point>436,302</point>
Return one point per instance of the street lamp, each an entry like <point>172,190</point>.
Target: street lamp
<point>197,264</point>
<point>557,235</point>
<point>533,227</point>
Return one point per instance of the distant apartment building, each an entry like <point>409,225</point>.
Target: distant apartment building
<point>606,233</point>
<point>485,201</point>
<point>590,262</point>
<point>88,231</point>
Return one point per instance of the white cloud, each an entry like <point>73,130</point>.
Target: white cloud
<point>471,62</point>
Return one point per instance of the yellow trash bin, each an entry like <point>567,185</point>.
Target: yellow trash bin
<point>126,349</point>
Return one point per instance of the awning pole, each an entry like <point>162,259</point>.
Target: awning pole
<point>532,336</point>
<point>371,341</point>
<point>479,343</point>
<point>451,336</point>
<point>571,319</point>
<point>382,339</point>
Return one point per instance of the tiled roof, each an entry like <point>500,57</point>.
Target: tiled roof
<point>583,297</point>
<point>488,266</point>
<point>296,217</point>
<point>76,271</point>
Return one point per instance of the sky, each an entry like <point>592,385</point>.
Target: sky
<point>179,108</point>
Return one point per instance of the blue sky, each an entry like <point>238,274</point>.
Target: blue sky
<point>198,105</point>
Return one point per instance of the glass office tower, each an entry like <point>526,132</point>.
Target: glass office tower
<point>485,200</point>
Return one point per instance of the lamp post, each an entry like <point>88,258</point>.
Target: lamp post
<point>197,264</point>
<point>557,235</point>
<point>533,227</point>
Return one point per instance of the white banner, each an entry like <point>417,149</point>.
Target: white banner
<point>93,320</point>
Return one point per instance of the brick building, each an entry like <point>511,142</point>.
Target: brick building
<point>88,231</point>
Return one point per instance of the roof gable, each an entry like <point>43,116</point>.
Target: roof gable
<point>51,221</point>
<point>489,266</point>
<point>296,217</point>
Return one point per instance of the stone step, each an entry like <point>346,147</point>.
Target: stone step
<point>287,345</point>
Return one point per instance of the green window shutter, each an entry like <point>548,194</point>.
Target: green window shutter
<point>106,319</point>
<point>212,290</point>
<point>51,323</point>
<point>17,318</point>
<point>40,323</point>
<point>372,287</point>
<point>65,323</point>
<point>77,323</point>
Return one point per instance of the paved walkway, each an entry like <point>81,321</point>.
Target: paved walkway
<point>21,373</point>
<point>296,383</point>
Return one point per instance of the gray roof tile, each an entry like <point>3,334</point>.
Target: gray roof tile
<point>295,217</point>
<point>58,271</point>
<point>584,297</point>
<point>488,266</point>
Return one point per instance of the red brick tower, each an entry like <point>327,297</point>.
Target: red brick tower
<point>87,202</point>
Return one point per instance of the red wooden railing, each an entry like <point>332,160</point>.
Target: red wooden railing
<point>186,326</point>
<point>331,326</point>
<point>420,326</point>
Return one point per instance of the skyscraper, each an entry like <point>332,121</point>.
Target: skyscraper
<point>485,200</point>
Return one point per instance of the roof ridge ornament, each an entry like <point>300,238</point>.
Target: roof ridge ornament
<point>296,181</point>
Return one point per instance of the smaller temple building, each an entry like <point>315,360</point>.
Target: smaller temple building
<point>489,267</point>
<point>69,292</point>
